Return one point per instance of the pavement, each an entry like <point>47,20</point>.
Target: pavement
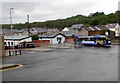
<point>60,46</point>
<point>39,49</point>
<point>49,48</point>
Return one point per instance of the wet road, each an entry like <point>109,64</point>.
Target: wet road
<point>75,64</point>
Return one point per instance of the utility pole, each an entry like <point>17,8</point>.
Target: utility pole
<point>28,25</point>
<point>11,28</point>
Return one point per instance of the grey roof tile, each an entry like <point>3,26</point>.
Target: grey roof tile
<point>77,26</point>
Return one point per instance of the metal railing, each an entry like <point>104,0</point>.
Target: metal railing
<point>13,52</point>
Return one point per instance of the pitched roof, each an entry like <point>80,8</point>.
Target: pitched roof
<point>66,29</point>
<point>32,30</point>
<point>77,26</point>
<point>89,28</point>
<point>39,30</point>
<point>52,35</point>
<point>19,31</point>
<point>111,25</point>
<point>15,37</point>
<point>51,29</point>
<point>95,28</point>
<point>102,27</point>
<point>7,31</point>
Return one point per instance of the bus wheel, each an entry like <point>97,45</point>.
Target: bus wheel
<point>98,45</point>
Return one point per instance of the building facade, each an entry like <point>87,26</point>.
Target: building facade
<point>16,40</point>
<point>54,38</point>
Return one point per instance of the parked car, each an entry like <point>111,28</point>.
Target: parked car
<point>27,45</point>
<point>30,45</point>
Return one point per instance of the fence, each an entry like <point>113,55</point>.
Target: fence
<point>13,52</point>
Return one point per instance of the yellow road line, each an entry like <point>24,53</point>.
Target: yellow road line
<point>12,68</point>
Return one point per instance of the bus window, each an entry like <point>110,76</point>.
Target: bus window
<point>100,38</point>
<point>92,39</point>
<point>85,39</point>
<point>80,39</point>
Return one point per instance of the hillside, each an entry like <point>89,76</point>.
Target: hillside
<point>98,18</point>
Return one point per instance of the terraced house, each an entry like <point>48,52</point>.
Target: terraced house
<point>114,27</point>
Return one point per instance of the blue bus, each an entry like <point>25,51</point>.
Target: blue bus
<point>99,40</point>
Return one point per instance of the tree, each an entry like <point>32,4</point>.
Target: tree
<point>98,14</point>
<point>35,37</point>
<point>94,22</point>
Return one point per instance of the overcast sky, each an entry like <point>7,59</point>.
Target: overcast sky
<point>43,10</point>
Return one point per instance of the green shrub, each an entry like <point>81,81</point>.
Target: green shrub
<point>35,37</point>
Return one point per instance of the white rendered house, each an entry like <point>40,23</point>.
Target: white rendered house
<point>54,38</point>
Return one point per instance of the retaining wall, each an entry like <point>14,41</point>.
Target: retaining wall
<point>39,43</point>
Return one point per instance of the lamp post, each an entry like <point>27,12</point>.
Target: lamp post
<point>28,25</point>
<point>11,27</point>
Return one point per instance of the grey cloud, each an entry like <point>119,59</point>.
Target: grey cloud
<point>119,5</point>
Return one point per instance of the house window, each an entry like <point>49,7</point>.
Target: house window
<point>5,43</point>
<point>11,43</point>
<point>8,43</point>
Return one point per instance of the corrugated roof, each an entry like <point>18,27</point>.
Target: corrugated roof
<point>14,37</point>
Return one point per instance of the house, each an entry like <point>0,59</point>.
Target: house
<point>96,30</point>
<point>77,29</point>
<point>68,32</point>
<point>16,40</point>
<point>99,30</point>
<point>55,38</point>
<point>83,32</point>
<point>114,27</point>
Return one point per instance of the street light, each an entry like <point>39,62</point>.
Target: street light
<point>11,27</point>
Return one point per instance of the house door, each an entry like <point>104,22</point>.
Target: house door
<point>59,39</point>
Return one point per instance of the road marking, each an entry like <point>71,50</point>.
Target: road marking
<point>12,68</point>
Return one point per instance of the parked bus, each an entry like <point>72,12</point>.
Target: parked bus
<point>99,40</point>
